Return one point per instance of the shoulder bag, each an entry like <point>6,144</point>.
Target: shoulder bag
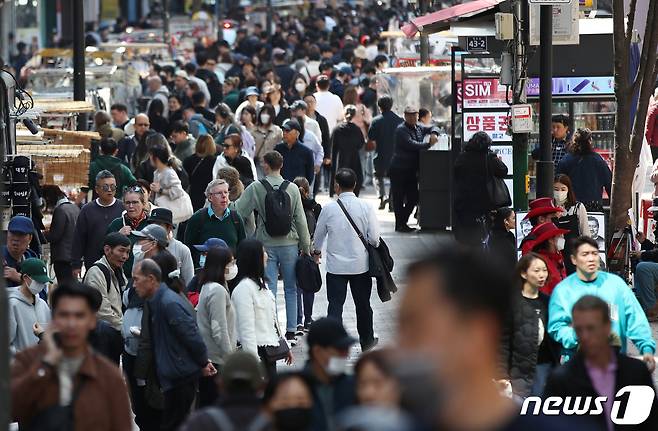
<point>280,351</point>
<point>497,190</point>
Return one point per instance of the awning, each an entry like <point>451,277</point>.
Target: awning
<point>444,16</point>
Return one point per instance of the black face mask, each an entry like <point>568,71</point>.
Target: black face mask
<point>297,419</point>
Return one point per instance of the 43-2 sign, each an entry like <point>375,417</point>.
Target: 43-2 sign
<point>476,43</point>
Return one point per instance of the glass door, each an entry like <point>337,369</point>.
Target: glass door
<point>599,117</point>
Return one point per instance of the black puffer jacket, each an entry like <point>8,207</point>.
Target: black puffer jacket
<point>519,348</point>
<point>470,173</point>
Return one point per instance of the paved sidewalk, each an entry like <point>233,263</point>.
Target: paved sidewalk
<point>404,248</point>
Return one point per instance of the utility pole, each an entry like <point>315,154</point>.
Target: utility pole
<point>545,166</point>
<point>218,18</point>
<point>166,36</point>
<point>520,140</point>
<point>424,38</point>
<point>79,92</point>
<point>269,18</point>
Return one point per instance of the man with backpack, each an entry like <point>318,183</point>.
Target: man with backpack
<point>281,227</point>
<point>215,221</point>
<point>107,277</point>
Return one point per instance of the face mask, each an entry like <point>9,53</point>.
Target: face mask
<point>560,196</point>
<point>202,260</point>
<point>295,419</point>
<point>265,118</point>
<point>232,272</point>
<point>300,86</point>
<point>560,244</point>
<point>35,287</point>
<point>137,249</point>
<point>337,366</point>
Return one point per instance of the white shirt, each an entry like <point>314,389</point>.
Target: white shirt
<point>312,126</point>
<point>330,107</point>
<point>255,312</point>
<point>312,142</point>
<point>346,254</point>
<point>220,162</point>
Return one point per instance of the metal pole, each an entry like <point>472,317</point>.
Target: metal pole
<point>5,395</point>
<point>545,166</point>
<point>165,22</point>
<point>424,37</point>
<point>520,140</point>
<point>79,92</point>
<point>219,19</point>
<point>269,18</point>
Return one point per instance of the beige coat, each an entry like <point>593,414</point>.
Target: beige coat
<point>266,139</point>
<point>110,310</point>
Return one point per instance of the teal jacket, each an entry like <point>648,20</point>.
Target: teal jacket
<point>628,319</point>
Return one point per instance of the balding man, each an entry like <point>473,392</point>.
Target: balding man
<point>155,90</point>
<point>127,146</point>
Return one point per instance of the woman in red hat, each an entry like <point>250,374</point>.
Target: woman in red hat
<point>548,241</point>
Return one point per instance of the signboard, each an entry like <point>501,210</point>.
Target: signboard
<point>585,86</point>
<point>476,43</point>
<point>522,119</point>
<point>484,93</point>
<point>566,30</point>
<point>494,124</point>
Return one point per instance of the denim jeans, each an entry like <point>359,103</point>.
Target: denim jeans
<point>282,259</point>
<point>361,287</point>
<point>305,301</point>
<point>542,372</point>
<point>646,278</point>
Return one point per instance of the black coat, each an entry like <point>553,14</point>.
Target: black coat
<point>62,230</point>
<point>471,196</point>
<point>408,144</point>
<point>382,131</point>
<point>519,348</point>
<point>572,379</point>
<point>200,173</point>
<point>346,141</point>
<point>502,245</point>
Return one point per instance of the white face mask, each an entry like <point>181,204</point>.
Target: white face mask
<point>137,250</point>
<point>265,118</point>
<point>560,196</point>
<point>300,86</point>
<point>202,260</point>
<point>35,287</point>
<point>231,272</point>
<point>560,243</point>
<point>337,366</point>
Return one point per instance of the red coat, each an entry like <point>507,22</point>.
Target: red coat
<point>556,270</point>
<point>651,131</point>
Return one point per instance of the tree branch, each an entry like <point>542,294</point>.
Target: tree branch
<point>631,21</point>
<point>648,45</point>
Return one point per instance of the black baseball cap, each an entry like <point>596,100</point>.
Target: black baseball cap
<point>290,125</point>
<point>329,332</point>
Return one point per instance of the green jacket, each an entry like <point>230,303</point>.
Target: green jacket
<point>253,198</point>
<point>201,226</point>
<point>185,149</point>
<point>113,164</point>
<point>232,99</point>
<point>115,226</point>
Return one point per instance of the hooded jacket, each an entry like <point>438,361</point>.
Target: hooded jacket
<point>113,164</point>
<point>22,315</point>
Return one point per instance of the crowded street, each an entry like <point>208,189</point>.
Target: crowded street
<point>325,215</point>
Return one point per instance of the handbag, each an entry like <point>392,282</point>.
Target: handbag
<point>497,190</point>
<point>181,207</point>
<point>278,352</point>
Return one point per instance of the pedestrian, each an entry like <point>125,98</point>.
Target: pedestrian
<point>347,258</point>
<point>298,160</point>
<point>598,370</point>
<point>548,241</point>
<point>283,232</point>
<point>528,352</point>
<point>255,306</point>
<point>132,148</point>
<point>646,274</point>
<point>234,156</point>
<point>183,142</point>
<point>274,96</point>
<point>119,114</point>
<point>250,99</point>
<point>194,287</point>
<point>61,236</point>
<point>325,139</point>
<point>541,210</point>
<point>381,136</point>
<point>328,104</point>
<point>19,235</point>
<point>103,338</point>
<point>474,168</point>
<point>106,276</point>
<point>28,314</point>
<point>332,388</point>
<point>288,400</point>
<point>63,384</point>
<point>157,119</point>
<point>163,217</point>
<point>347,140</point>
<point>231,92</point>
<point>215,316</point>
<point>166,189</point>
<point>107,161</point>
<point>134,218</point>
<point>180,354</point>
<point>376,382</point>
<point>502,242</point>
<point>561,138</point>
<point>206,72</point>
<point>149,242</point>
<point>199,167</point>
<point>93,222</point>
<point>589,173</point>
<point>176,107</point>
<point>215,221</point>
<point>628,320</point>
<point>242,380</point>
<point>574,218</point>
<point>267,135</point>
<point>403,171</point>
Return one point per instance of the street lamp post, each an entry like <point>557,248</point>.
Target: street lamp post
<point>219,20</point>
<point>545,166</point>
<point>79,92</point>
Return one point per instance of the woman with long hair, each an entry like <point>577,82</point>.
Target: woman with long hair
<point>289,401</point>
<point>574,219</point>
<point>254,303</point>
<point>167,190</point>
<point>346,141</point>
<point>298,88</point>
<point>589,173</point>
<point>199,169</point>
<point>528,352</point>
<point>156,116</point>
<point>215,315</point>
<point>274,97</point>
<point>227,125</point>
<point>267,135</point>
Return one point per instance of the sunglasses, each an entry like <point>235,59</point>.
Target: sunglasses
<point>133,189</point>
<point>108,187</point>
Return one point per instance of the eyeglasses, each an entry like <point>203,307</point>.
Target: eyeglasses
<point>108,187</point>
<point>227,145</point>
<point>131,203</point>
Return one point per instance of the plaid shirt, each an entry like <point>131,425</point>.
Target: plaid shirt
<point>559,149</point>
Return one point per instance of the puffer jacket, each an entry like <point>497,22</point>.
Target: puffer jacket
<point>519,348</point>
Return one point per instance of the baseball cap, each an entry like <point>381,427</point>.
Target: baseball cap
<point>346,69</point>
<point>278,51</point>
<point>182,74</point>
<point>36,269</point>
<point>154,233</point>
<point>161,215</point>
<point>251,91</point>
<point>298,104</point>
<point>21,224</point>
<point>409,109</point>
<point>243,366</point>
<point>291,125</point>
<point>211,243</point>
<point>328,332</point>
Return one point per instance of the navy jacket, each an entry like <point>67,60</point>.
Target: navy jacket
<point>344,396</point>
<point>297,162</point>
<point>178,348</point>
<point>589,175</point>
<point>382,131</point>
<point>408,143</point>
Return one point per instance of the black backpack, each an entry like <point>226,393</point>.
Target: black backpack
<point>278,209</point>
<point>106,272</point>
